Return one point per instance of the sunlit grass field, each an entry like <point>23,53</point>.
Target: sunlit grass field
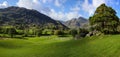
<point>53,46</point>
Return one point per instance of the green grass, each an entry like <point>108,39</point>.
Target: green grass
<point>53,46</point>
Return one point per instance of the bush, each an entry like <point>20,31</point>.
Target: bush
<point>11,32</point>
<point>73,32</point>
<point>25,35</point>
<point>83,34</point>
<point>52,32</point>
<point>118,29</point>
<point>58,32</point>
<point>38,33</point>
<point>1,30</point>
<point>83,31</point>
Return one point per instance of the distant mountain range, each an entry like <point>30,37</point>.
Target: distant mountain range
<point>22,17</point>
<point>77,23</point>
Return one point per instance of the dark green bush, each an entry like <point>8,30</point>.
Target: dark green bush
<point>58,32</point>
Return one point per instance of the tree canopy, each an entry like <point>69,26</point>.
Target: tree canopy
<point>104,20</point>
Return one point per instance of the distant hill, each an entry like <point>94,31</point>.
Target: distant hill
<point>22,17</point>
<point>77,22</point>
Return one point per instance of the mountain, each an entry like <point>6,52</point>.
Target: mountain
<point>22,17</point>
<point>77,22</point>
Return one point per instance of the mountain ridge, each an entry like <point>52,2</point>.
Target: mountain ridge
<point>19,16</point>
<point>76,22</point>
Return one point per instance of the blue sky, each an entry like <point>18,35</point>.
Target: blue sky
<point>63,9</point>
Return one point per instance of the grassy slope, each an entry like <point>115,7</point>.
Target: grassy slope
<point>102,46</point>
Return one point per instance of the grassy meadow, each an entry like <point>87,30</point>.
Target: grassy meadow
<point>53,46</point>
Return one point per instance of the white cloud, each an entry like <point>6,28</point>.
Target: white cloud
<point>57,3</point>
<point>56,15</point>
<point>30,4</point>
<point>97,3</point>
<point>90,8</point>
<point>71,15</point>
<point>74,13</point>
<point>46,1</point>
<point>4,4</point>
<point>76,8</point>
<point>63,16</point>
<point>35,4</point>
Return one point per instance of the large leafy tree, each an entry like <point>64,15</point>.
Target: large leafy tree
<point>104,20</point>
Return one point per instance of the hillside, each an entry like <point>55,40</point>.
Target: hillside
<point>76,22</point>
<point>22,17</point>
<point>97,46</point>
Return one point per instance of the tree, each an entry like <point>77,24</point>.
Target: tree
<point>1,30</point>
<point>82,32</point>
<point>52,32</point>
<point>58,32</point>
<point>26,32</point>
<point>11,32</point>
<point>104,20</point>
<point>38,32</point>
<point>73,32</point>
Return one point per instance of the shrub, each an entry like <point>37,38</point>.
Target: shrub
<point>58,32</point>
<point>38,33</point>
<point>25,35</point>
<point>12,32</point>
<point>52,32</point>
<point>73,32</point>
<point>83,31</point>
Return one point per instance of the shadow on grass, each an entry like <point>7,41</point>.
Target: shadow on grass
<point>63,36</point>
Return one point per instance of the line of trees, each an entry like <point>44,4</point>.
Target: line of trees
<point>104,20</point>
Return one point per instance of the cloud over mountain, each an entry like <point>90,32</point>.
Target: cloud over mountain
<point>4,4</point>
<point>64,9</point>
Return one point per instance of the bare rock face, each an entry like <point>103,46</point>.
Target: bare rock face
<point>77,22</point>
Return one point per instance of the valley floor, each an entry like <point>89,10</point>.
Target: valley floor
<point>53,46</point>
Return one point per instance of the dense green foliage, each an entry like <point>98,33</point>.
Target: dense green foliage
<point>38,33</point>
<point>105,20</point>
<point>73,32</point>
<point>58,32</point>
<point>12,32</point>
<point>82,32</point>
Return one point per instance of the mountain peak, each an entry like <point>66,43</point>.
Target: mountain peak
<point>16,16</point>
<point>76,22</point>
